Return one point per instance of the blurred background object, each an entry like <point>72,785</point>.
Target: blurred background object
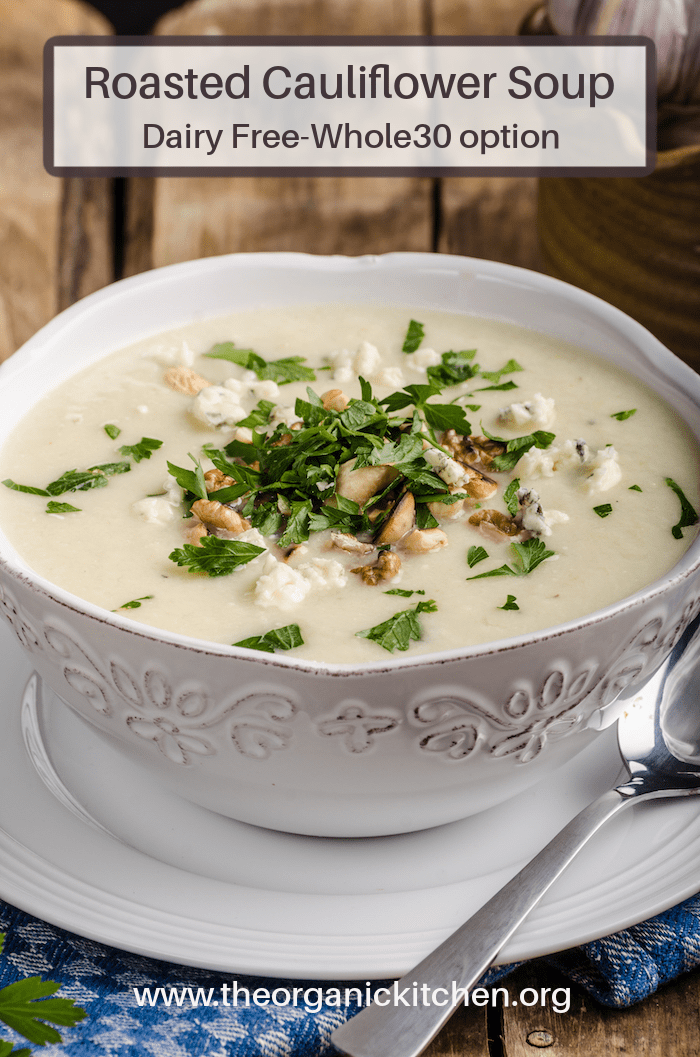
<point>636,241</point>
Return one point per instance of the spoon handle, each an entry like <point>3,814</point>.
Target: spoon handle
<point>401,1029</point>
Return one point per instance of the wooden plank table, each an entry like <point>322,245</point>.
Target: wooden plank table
<point>57,243</point>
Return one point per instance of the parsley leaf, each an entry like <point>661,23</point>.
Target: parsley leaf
<point>259,416</point>
<point>495,376</point>
<point>622,415</point>
<point>61,508</point>
<point>214,556</point>
<point>134,604</point>
<point>475,555</point>
<point>29,489</point>
<point>510,603</point>
<point>424,518</point>
<point>285,638</point>
<point>634,488</point>
<point>190,480</point>
<point>82,480</point>
<point>74,480</point>
<point>510,497</point>
<point>516,448</point>
<point>530,554</point>
<point>397,632</point>
<point>282,371</point>
<point>142,450</point>
<point>24,1004</point>
<point>297,529</point>
<point>442,417</point>
<point>112,431</point>
<point>414,336</point>
<point>454,369</point>
<point>502,386</point>
<point>403,592</point>
<point>688,513</point>
<point>603,510</point>
<point>526,557</point>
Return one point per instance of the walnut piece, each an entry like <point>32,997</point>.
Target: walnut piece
<point>195,532</point>
<point>185,380</point>
<point>334,400</point>
<point>219,516</point>
<point>470,450</point>
<point>494,524</point>
<point>215,479</point>
<point>420,541</point>
<point>344,541</point>
<point>386,567</point>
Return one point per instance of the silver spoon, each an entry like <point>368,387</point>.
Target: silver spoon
<point>659,742</point>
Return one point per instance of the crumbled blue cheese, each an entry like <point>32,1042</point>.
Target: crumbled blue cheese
<point>159,509</point>
<point>217,405</point>
<point>421,359</point>
<point>538,412</point>
<point>222,405</point>
<point>602,471</point>
<point>282,414</point>
<point>365,363</point>
<point>533,518</point>
<point>543,462</point>
<point>451,471</point>
<point>284,587</point>
<point>172,356</point>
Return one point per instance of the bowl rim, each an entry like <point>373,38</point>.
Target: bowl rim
<point>672,369</point>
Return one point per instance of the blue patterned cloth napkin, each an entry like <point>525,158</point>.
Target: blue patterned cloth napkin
<point>617,970</point>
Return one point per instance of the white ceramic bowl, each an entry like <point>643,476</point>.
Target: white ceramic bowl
<point>416,742</point>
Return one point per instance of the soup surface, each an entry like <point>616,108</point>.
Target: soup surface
<point>493,492</point>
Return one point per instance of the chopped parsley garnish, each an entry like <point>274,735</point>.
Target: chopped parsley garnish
<point>502,387</point>
<point>53,507</point>
<point>143,450</point>
<point>475,555</point>
<point>622,415</point>
<point>282,371</point>
<point>526,557</point>
<point>214,556</point>
<point>516,448</point>
<point>510,368</point>
<point>74,480</point>
<point>510,497</point>
<point>510,603</point>
<point>82,480</point>
<point>112,431</point>
<point>285,638</point>
<point>454,369</point>
<point>398,631</point>
<point>688,513</point>
<point>603,510</point>
<point>29,489</point>
<point>134,604</point>
<point>403,592</point>
<point>414,336</point>
<point>438,416</point>
<point>634,488</point>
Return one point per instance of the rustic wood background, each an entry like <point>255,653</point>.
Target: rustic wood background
<point>62,239</point>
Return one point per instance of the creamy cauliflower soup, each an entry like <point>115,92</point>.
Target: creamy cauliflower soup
<point>344,482</point>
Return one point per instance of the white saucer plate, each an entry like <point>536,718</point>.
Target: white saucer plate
<point>93,845</point>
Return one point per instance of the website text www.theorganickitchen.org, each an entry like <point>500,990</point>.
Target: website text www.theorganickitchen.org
<point>314,999</point>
